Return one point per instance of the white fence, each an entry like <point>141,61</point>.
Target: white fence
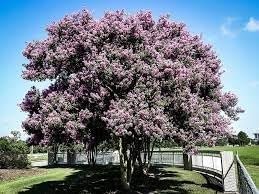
<point>210,160</point>
<point>203,160</point>
<point>102,158</point>
<point>174,158</point>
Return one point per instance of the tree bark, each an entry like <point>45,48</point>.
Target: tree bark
<point>151,149</point>
<point>148,147</point>
<point>71,157</point>
<point>55,153</point>
<point>128,156</point>
<point>91,155</point>
<point>187,161</point>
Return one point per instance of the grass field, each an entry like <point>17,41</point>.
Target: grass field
<point>26,182</point>
<point>249,155</point>
<point>13,174</point>
<point>105,179</point>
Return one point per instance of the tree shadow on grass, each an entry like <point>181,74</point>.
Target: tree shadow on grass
<point>106,179</point>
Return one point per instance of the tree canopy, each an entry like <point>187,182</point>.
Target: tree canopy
<point>126,76</point>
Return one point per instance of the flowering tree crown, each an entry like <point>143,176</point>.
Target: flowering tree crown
<point>125,75</point>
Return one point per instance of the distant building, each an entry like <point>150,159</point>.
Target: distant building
<point>256,138</point>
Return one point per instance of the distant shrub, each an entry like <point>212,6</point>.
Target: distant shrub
<point>233,140</point>
<point>13,153</point>
<point>40,149</point>
<point>222,141</point>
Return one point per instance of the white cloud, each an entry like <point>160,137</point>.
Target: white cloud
<point>254,84</point>
<point>227,27</point>
<point>252,25</point>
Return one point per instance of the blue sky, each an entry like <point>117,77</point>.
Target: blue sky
<point>232,27</point>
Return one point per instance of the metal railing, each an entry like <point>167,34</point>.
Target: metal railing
<point>245,183</point>
<point>174,158</point>
<point>206,161</point>
<point>102,158</point>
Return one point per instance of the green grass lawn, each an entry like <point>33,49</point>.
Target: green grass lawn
<point>182,181</point>
<point>24,183</point>
<point>106,179</point>
<point>249,155</point>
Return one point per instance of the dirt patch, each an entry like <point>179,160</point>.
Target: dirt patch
<point>12,174</point>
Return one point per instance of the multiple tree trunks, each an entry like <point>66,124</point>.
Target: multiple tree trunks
<point>55,152</point>
<point>71,157</point>
<point>130,151</point>
<point>187,161</point>
<point>147,152</point>
<point>91,155</point>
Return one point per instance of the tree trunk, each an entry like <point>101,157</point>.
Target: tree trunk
<point>55,152</point>
<point>91,155</point>
<point>127,161</point>
<point>150,154</point>
<point>148,146</point>
<point>187,161</point>
<point>140,163</point>
<point>71,157</point>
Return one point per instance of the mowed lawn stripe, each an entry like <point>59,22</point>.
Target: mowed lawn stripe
<point>24,183</point>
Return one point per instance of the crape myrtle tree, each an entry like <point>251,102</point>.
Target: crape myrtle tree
<point>125,77</point>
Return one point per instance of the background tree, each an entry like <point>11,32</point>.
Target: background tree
<point>39,149</point>
<point>243,138</point>
<point>16,135</point>
<point>13,152</point>
<point>233,140</point>
<point>125,77</point>
<point>222,141</point>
